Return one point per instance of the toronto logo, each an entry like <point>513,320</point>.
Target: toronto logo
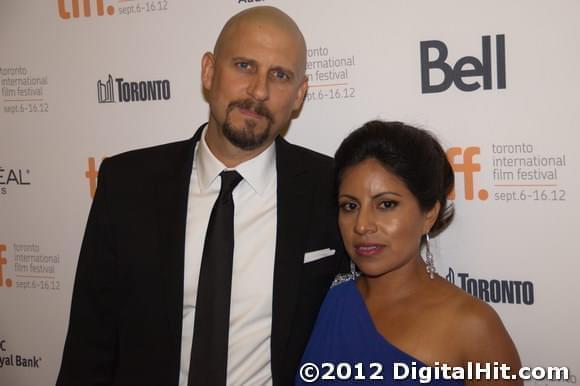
<point>494,290</point>
<point>115,90</point>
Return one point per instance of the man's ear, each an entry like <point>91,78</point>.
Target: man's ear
<point>431,216</point>
<point>207,70</point>
<point>301,93</point>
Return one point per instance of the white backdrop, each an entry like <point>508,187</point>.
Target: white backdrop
<point>512,145</point>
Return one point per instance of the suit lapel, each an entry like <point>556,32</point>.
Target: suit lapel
<point>293,207</point>
<point>171,202</point>
<point>293,189</point>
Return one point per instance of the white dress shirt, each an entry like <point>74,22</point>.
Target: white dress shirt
<point>253,266</point>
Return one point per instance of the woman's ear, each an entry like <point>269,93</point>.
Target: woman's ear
<point>430,217</point>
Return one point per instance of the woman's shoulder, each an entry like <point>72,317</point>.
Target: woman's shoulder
<point>476,326</point>
<point>474,315</point>
<point>341,286</point>
<point>340,294</point>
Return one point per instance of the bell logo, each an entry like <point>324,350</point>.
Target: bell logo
<point>466,67</point>
<point>64,11</point>
<point>3,261</point>
<point>468,168</point>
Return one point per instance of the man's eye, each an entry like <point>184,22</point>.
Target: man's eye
<point>280,75</point>
<point>243,65</point>
<point>388,204</point>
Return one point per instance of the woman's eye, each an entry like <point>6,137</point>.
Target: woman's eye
<point>388,204</point>
<point>348,206</point>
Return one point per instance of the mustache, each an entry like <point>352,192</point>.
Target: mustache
<point>249,104</point>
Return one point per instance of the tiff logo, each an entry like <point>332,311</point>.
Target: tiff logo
<point>105,91</point>
<point>64,11</point>
<point>468,167</point>
<point>467,73</point>
<point>3,261</point>
<point>92,174</point>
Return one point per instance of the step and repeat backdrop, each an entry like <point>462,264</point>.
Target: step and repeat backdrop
<point>497,81</point>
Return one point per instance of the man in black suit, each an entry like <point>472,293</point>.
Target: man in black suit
<point>134,300</point>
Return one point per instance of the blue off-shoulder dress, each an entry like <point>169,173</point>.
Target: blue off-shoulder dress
<point>346,349</point>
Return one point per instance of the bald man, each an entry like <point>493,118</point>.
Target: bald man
<point>137,314</point>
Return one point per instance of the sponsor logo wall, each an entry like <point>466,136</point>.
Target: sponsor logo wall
<point>83,80</point>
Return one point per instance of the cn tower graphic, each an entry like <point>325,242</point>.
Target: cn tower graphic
<point>451,276</point>
<point>105,91</point>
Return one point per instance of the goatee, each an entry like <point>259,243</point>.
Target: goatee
<point>245,137</point>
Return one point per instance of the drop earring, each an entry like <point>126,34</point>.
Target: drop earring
<point>353,273</point>
<point>429,258</point>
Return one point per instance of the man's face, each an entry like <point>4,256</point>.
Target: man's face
<point>254,82</point>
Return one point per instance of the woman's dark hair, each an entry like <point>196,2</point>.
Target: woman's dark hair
<point>413,154</point>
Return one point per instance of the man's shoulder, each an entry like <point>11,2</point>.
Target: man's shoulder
<point>146,154</point>
<point>153,158</point>
<point>304,155</point>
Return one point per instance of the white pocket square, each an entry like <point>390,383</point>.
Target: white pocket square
<point>309,257</point>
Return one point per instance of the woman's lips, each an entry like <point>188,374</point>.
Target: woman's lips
<point>368,249</point>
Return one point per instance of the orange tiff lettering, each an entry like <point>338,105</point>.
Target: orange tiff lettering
<point>468,167</point>
<point>65,13</point>
<point>3,262</point>
<point>92,174</point>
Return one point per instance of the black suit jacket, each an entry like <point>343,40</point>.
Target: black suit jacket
<point>127,305</point>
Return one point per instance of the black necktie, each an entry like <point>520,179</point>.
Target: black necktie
<point>209,352</point>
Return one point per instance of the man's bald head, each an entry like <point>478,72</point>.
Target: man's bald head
<point>262,16</point>
<point>255,80</point>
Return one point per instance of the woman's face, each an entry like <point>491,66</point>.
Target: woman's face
<point>380,219</point>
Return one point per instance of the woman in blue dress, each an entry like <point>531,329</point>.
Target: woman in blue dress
<point>394,320</point>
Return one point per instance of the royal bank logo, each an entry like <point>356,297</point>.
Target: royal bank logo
<point>115,90</point>
<point>68,9</point>
<point>8,359</point>
<point>12,178</point>
<point>469,73</point>
<point>494,290</point>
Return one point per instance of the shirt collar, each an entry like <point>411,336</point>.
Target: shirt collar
<point>258,172</point>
